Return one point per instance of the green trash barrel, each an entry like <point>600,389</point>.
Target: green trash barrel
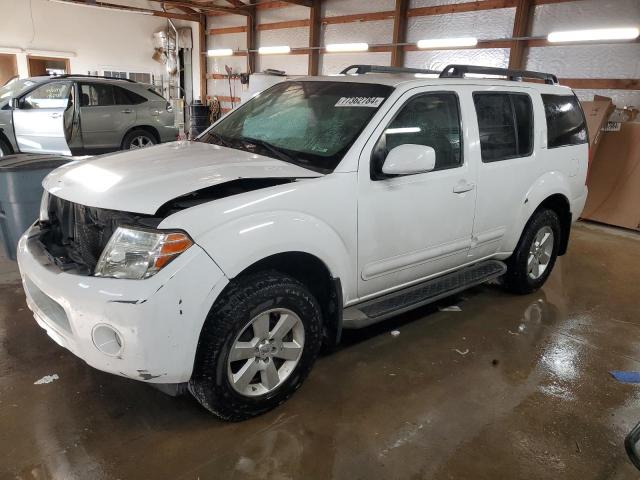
<point>20,193</point>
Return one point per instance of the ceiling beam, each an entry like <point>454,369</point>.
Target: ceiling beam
<point>202,57</point>
<point>252,40</point>
<point>399,32</point>
<point>522,27</point>
<point>205,8</point>
<point>127,8</point>
<point>302,3</point>
<point>315,25</point>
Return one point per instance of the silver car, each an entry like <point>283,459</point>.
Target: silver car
<point>81,115</point>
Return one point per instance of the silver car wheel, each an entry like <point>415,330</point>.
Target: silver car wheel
<point>2,153</point>
<point>540,253</point>
<point>265,352</point>
<point>140,141</point>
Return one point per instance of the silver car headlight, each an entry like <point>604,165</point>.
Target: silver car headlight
<point>44,207</point>
<point>135,253</point>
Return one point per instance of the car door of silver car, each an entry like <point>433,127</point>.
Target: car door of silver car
<point>39,119</point>
<point>103,121</point>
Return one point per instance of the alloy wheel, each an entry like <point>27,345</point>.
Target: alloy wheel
<point>265,352</point>
<point>540,253</point>
<point>140,141</point>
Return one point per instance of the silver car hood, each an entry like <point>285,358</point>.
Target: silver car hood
<point>141,181</point>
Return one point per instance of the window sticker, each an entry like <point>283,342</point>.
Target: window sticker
<point>372,102</point>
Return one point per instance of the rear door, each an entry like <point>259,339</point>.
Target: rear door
<point>103,120</point>
<point>39,120</point>
<point>507,163</point>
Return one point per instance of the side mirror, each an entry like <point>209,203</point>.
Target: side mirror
<point>409,159</point>
<point>15,103</point>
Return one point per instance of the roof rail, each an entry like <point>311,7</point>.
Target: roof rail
<point>459,71</point>
<point>68,75</point>
<point>362,69</point>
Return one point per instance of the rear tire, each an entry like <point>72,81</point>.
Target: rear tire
<point>275,362</point>
<point>5,148</point>
<point>137,139</point>
<point>532,261</point>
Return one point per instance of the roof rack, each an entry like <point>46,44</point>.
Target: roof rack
<point>459,71</point>
<point>362,69</point>
<point>68,75</point>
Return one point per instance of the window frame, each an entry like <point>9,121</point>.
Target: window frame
<point>515,123</point>
<point>377,176</point>
<point>580,109</point>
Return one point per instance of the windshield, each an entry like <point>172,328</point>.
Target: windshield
<point>311,123</point>
<point>14,87</point>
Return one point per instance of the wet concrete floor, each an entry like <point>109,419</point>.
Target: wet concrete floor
<point>511,387</point>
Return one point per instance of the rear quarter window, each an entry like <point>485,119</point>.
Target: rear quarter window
<point>565,121</point>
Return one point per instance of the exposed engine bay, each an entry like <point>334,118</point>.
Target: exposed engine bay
<point>74,235</point>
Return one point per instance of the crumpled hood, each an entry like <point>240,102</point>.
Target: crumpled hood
<point>141,181</point>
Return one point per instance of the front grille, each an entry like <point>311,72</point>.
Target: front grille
<point>75,235</point>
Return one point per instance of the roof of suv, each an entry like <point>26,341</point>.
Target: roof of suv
<point>409,80</point>
<point>78,77</point>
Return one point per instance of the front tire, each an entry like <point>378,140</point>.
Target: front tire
<point>257,346</point>
<point>532,261</point>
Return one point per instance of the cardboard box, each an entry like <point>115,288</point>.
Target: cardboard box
<point>614,179</point>
<point>597,114</point>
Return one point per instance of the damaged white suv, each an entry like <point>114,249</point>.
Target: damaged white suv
<point>321,204</point>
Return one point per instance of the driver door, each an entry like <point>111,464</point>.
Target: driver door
<point>411,227</point>
<point>39,119</point>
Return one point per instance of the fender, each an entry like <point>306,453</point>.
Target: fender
<point>238,244</point>
<point>550,183</point>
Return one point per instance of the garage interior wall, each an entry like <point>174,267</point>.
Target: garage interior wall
<point>93,39</point>
<point>620,61</point>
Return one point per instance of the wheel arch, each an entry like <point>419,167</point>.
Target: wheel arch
<point>314,274</point>
<point>4,139</point>
<point>551,191</point>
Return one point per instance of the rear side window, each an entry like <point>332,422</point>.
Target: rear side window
<point>505,121</point>
<point>96,95</point>
<point>127,97</point>
<point>565,121</point>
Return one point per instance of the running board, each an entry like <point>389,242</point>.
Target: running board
<point>373,311</point>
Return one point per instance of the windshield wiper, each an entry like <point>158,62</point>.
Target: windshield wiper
<point>272,148</point>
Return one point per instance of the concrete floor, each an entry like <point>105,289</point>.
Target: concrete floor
<point>510,387</point>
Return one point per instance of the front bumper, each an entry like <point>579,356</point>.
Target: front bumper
<point>158,319</point>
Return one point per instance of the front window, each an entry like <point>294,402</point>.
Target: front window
<point>311,124</point>
<point>14,87</point>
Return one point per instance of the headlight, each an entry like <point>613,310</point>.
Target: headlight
<point>136,254</point>
<point>44,207</point>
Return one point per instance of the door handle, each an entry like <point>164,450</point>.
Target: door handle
<point>55,115</point>
<point>463,187</point>
<point>128,110</point>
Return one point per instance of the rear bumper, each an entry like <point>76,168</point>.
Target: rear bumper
<point>158,320</point>
<point>167,133</point>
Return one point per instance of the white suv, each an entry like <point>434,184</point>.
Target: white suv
<point>321,204</point>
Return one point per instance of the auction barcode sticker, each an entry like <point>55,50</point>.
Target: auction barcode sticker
<point>360,102</point>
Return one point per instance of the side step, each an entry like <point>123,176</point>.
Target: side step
<point>373,311</point>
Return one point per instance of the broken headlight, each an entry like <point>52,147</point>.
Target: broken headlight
<point>135,253</point>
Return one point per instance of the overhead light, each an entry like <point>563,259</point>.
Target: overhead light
<point>274,50</point>
<point>347,47</point>
<point>448,42</point>
<point>391,131</point>
<point>594,35</point>
<point>220,52</point>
